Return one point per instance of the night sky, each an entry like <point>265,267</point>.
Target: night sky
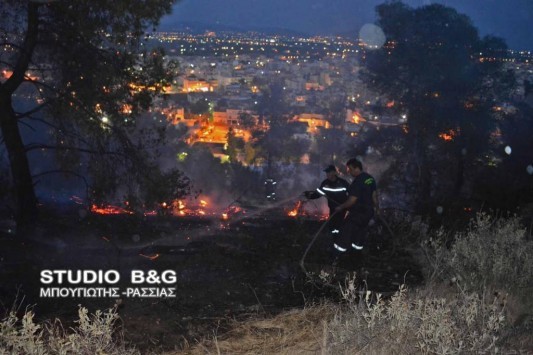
<point>509,19</point>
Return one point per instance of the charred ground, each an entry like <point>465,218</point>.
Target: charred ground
<point>225,270</point>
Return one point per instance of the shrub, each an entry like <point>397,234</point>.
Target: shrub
<point>494,254</point>
<point>94,334</point>
<point>407,323</point>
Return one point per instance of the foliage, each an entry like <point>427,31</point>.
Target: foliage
<point>279,142</point>
<point>408,324</point>
<point>88,78</point>
<point>432,69</point>
<point>493,253</point>
<point>507,183</point>
<point>94,334</point>
<point>200,107</point>
<point>247,120</point>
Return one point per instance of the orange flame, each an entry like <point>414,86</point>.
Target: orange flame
<point>294,212</point>
<point>448,136</point>
<point>357,118</point>
<point>230,211</point>
<point>109,209</point>
<point>7,73</point>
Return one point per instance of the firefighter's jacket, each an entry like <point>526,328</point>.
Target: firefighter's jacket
<point>335,191</point>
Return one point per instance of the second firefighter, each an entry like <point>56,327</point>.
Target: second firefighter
<point>334,188</point>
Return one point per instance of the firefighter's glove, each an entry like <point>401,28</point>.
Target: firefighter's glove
<point>311,195</point>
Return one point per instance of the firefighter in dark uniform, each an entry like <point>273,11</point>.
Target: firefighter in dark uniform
<point>362,203</point>
<point>335,189</point>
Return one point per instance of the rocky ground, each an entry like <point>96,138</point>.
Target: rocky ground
<point>224,270</point>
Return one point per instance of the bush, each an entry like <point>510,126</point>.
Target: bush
<point>408,323</point>
<point>94,334</point>
<point>493,254</point>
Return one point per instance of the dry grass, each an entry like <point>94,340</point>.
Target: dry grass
<point>94,334</point>
<point>302,331</point>
<point>476,301</point>
<point>407,323</point>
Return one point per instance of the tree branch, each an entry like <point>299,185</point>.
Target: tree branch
<point>27,50</point>
<point>32,111</point>
<point>58,171</point>
<point>28,125</point>
<point>68,133</point>
<point>35,146</point>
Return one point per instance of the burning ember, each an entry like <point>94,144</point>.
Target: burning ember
<point>179,208</point>
<point>151,257</point>
<point>199,207</point>
<point>357,118</point>
<point>109,209</point>
<point>231,211</point>
<point>448,136</point>
<point>296,210</point>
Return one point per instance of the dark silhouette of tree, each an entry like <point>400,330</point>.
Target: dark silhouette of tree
<point>272,102</point>
<point>235,145</point>
<point>331,145</point>
<point>80,63</point>
<point>200,107</point>
<point>295,148</point>
<point>432,67</point>
<point>246,120</point>
<point>507,183</point>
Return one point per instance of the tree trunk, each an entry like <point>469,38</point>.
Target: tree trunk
<point>423,191</point>
<point>26,201</point>
<point>26,210</point>
<point>460,176</point>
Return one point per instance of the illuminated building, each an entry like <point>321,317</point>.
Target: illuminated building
<point>194,84</point>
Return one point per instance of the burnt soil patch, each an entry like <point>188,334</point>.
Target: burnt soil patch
<point>224,270</point>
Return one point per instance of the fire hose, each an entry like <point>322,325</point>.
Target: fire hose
<point>302,261</point>
<point>302,265</point>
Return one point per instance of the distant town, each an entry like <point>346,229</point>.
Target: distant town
<point>219,90</point>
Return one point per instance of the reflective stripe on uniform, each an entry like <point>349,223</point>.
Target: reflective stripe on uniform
<point>357,247</point>
<point>341,249</point>
<point>335,231</point>
<point>321,192</point>
<point>334,190</point>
